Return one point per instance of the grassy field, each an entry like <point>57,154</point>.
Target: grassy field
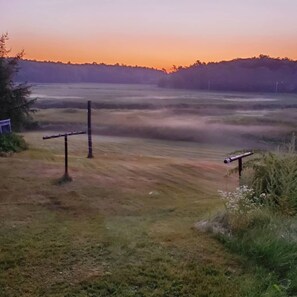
<point>125,225</point>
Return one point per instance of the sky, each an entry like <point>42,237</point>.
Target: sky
<point>153,33</point>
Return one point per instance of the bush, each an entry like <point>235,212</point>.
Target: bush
<point>12,143</point>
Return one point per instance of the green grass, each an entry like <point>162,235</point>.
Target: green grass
<point>276,175</point>
<point>272,245</point>
<point>104,234</point>
<point>262,221</point>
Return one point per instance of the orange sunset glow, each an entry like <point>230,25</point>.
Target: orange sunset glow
<point>150,33</point>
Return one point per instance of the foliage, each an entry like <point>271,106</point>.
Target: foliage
<point>12,143</point>
<point>259,218</point>
<point>273,178</point>
<point>270,242</point>
<point>255,74</point>
<point>242,200</point>
<point>266,238</point>
<point>243,208</point>
<point>275,174</point>
<point>14,98</point>
<point>57,72</point>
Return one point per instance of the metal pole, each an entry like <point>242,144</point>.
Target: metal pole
<point>90,154</point>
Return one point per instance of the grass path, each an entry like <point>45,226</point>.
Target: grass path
<point>123,227</point>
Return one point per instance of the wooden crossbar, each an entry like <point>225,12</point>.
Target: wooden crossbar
<point>239,158</point>
<point>63,134</point>
<point>234,158</point>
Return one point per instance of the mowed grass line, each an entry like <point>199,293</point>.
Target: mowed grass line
<point>123,227</point>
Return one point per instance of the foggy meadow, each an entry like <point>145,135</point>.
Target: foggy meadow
<point>148,148</point>
<point>242,120</point>
<point>126,224</point>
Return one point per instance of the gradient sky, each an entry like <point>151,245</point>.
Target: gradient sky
<point>154,33</point>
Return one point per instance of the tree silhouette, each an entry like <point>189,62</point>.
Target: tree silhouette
<point>14,98</point>
<point>258,74</point>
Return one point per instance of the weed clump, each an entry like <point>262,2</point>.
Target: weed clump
<point>12,143</point>
<point>276,176</point>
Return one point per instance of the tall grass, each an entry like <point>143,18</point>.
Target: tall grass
<point>262,221</point>
<point>275,174</point>
<point>272,244</point>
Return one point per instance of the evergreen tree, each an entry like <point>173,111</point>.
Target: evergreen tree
<point>14,98</point>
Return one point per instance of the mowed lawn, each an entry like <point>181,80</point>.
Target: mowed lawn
<point>122,227</point>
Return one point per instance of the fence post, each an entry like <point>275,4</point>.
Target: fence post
<point>90,145</point>
<point>239,158</point>
<point>66,175</point>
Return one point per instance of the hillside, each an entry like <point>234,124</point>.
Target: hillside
<point>57,72</point>
<point>262,74</point>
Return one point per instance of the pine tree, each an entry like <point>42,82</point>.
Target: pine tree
<point>15,103</point>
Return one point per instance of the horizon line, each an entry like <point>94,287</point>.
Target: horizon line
<point>170,70</point>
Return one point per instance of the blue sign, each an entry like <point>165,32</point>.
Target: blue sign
<point>5,127</point>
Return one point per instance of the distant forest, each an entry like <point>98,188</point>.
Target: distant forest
<point>57,72</point>
<point>261,74</point>
<point>258,74</point>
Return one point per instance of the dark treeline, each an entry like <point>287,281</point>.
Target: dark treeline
<point>261,74</point>
<point>57,72</point>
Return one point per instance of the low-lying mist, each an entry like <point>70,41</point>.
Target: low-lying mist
<point>248,120</point>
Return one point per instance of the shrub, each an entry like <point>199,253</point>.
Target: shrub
<point>12,143</point>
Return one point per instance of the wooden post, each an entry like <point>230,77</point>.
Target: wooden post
<point>90,146</point>
<point>66,176</point>
<point>239,158</point>
<point>240,167</point>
